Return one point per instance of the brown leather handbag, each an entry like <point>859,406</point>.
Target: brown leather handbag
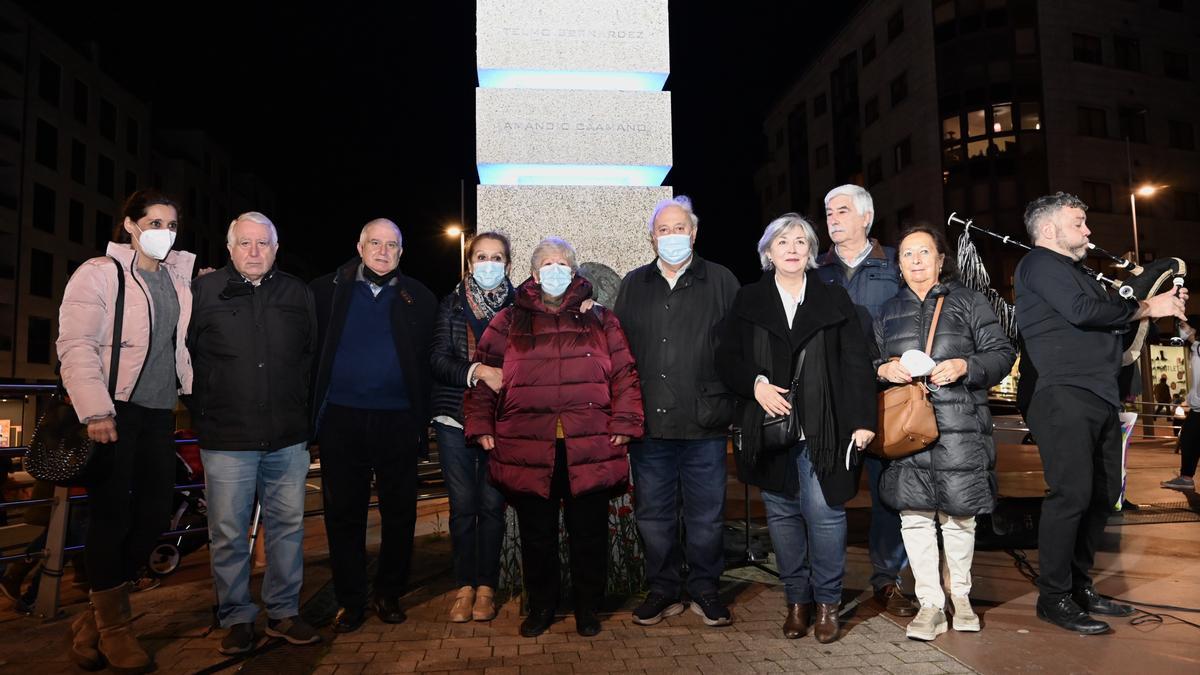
<point>906,421</point>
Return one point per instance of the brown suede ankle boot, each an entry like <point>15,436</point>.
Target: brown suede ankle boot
<point>84,638</point>
<point>114,619</point>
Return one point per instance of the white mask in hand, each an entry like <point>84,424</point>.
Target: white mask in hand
<point>917,362</point>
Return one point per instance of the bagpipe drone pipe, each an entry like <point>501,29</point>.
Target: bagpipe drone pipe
<point>1144,281</point>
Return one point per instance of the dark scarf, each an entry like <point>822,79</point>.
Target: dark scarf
<point>820,429</point>
<point>380,280</point>
<point>484,303</point>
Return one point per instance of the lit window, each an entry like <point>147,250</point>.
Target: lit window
<point>976,124</point>
<point>1031,117</point>
<point>952,129</point>
<point>1002,117</point>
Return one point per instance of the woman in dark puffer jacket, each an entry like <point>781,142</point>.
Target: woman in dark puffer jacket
<point>558,427</point>
<point>952,480</point>
<point>476,507</point>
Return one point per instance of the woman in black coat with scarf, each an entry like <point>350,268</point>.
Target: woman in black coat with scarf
<point>476,507</point>
<point>953,480</point>
<point>787,313</point>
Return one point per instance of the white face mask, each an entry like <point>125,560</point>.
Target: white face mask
<point>156,243</point>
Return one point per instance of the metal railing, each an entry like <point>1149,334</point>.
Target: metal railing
<point>1148,413</point>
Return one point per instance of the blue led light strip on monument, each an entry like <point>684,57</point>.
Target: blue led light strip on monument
<point>571,174</point>
<point>495,78</point>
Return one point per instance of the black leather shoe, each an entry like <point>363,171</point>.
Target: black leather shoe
<point>1094,603</point>
<point>1065,613</point>
<point>348,620</point>
<point>537,622</point>
<point>587,623</point>
<point>388,610</point>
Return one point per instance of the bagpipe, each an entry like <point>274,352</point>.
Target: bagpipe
<point>1144,280</point>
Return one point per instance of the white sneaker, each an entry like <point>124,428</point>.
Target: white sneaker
<point>929,623</point>
<point>964,618</point>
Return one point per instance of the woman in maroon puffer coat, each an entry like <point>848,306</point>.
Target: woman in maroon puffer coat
<point>558,427</point>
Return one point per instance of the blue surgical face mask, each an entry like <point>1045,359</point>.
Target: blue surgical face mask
<point>674,248</point>
<point>555,279</point>
<point>488,274</point>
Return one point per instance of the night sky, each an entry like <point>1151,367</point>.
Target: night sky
<point>363,109</point>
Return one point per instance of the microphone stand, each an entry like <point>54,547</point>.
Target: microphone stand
<point>749,557</point>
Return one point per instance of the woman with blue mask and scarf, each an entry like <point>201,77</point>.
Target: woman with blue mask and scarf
<point>476,508</point>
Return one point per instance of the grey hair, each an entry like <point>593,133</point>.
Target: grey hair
<point>255,217</point>
<point>859,197</point>
<point>1043,207</point>
<point>682,201</point>
<point>553,244</point>
<point>780,225</point>
<point>362,235</point>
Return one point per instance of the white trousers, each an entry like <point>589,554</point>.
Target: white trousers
<point>919,531</point>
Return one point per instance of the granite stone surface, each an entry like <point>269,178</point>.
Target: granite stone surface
<point>554,126</point>
<point>605,224</point>
<point>573,35</point>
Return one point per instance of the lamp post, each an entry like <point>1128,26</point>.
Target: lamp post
<point>458,231</point>
<point>1146,190</point>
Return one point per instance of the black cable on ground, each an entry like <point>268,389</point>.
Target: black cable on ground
<point>1021,561</point>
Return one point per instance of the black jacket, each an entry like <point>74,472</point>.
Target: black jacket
<point>252,349</point>
<point>956,475</point>
<point>1071,325</point>
<point>673,335</point>
<point>828,314</point>
<point>450,356</point>
<point>412,328</point>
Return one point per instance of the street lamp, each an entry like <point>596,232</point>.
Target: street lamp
<point>456,231</point>
<point>1146,190</point>
<point>1143,191</point>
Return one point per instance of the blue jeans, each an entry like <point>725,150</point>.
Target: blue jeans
<point>809,537</point>
<point>476,509</point>
<point>886,545</point>
<point>233,478</point>
<point>663,471</point>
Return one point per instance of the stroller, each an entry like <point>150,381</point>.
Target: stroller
<point>189,511</point>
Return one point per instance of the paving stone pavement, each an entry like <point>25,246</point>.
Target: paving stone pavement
<point>173,621</point>
<point>682,644</point>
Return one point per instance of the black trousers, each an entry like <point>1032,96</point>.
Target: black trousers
<point>1189,444</point>
<point>129,504</point>
<point>354,443</point>
<point>1079,437</point>
<point>586,520</point>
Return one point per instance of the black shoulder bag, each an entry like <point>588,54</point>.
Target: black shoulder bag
<point>781,432</point>
<point>60,451</point>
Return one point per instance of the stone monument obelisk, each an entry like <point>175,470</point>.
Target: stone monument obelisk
<point>572,127</point>
<point>573,139</point>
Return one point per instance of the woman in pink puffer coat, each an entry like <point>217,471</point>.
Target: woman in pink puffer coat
<point>129,495</point>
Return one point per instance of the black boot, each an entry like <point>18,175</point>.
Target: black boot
<point>537,622</point>
<point>587,623</point>
<point>1065,613</point>
<point>1094,603</point>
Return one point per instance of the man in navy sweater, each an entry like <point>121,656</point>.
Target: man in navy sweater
<point>370,411</point>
